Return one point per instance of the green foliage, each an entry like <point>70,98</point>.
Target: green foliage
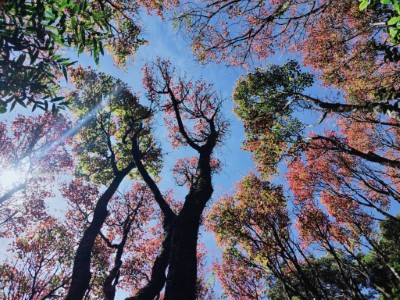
<point>264,102</point>
<point>32,33</point>
<point>323,272</point>
<point>384,267</point>
<point>393,24</point>
<point>114,119</point>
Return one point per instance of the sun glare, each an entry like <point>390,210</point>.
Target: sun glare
<point>10,178</point>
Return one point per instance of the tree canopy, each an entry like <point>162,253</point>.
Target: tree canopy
<point>131,170</point>
<point>34,33</point>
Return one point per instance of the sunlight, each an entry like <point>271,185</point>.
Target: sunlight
<point>10,178</point>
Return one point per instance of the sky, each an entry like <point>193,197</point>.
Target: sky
<point>167,43</point>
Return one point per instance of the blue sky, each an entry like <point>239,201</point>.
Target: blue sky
<point>166,43</point>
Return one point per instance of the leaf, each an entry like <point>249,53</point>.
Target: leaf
<point>3,109</point>
<point>364,4</point>
<point>396,6</point>
<point>393,21</point>
<point>57,56</point>
<point>101,48</point>
<point>21,59</point>
<point>57,99</point>
<point>64,69</point>
<point>13,105</point>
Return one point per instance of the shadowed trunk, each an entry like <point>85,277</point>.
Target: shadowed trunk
<point>81,270</point>
<point>182,272</point>
<point>153,288</point>
<point>111,281</point>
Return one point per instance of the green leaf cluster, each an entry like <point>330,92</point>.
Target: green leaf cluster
<point>114,121</point>
<point>32,33</point>
<point>393,24</point>
<point>265,103</point>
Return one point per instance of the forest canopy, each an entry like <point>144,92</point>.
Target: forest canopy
<point>120,188</point>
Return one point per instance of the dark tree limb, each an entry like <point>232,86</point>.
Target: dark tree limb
<point>157,281</point>
<point>390,110</point>
<point>81,270</point>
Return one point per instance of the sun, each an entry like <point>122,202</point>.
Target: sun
<point>10,178</point>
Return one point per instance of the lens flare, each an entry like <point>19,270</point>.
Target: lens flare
<point>10,178</point>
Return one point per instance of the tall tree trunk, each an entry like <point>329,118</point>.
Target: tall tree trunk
<point>81,270</point>
<point>182,272</point>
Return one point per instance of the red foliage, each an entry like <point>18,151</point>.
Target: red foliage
<point>35,151</point>
<point>333,37</point>
<point>41,267</point>
<point>189,106</point>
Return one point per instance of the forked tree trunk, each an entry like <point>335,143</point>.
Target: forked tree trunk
<point>179,249</point>
<point>81,270</point>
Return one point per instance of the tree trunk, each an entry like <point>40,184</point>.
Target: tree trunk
<point>393,111</point>
<point>81,270</point>
<point>153,288</point>
<point>182,273</point>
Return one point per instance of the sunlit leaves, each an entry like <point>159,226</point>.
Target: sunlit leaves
<point>35,148</point>
<point>250,218</point>
<point>113,118</point>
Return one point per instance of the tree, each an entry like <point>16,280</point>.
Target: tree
<point>193,117</point>
<point>33,154</point>
<point>356,163</point>
<point>41,266</point>
<point>127,243</point>
<point>108,147</point>
<point>263,258</point>
<point>342,180</point>
<point>34,32</point>
<point>393,13</point>
<point>45,252</point>
<point>384,268</point>
<point>352,55</point>
<point>350,171</point>
<point>117,140</point>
